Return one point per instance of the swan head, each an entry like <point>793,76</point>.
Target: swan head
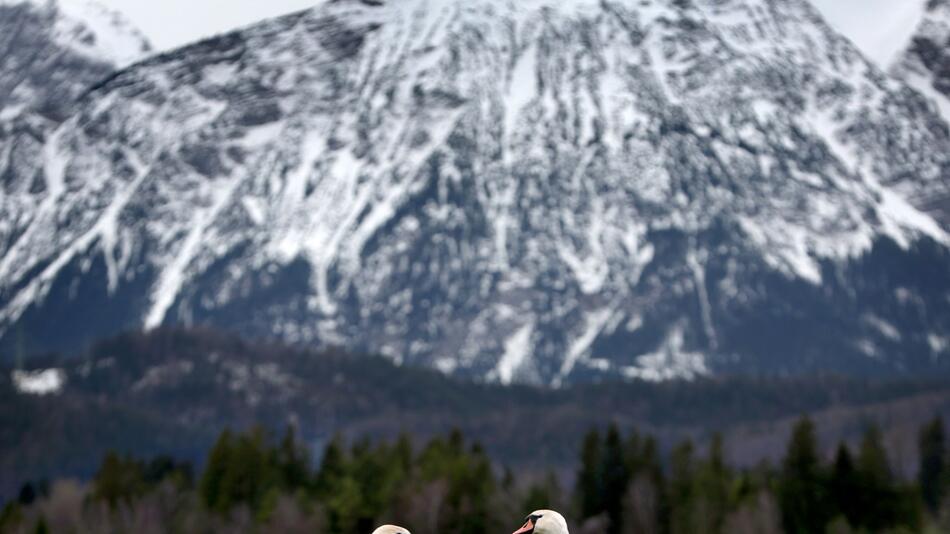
<point>543,522</point>
<point>390,529</point>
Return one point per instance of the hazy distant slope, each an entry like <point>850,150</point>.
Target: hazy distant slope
<point>171,392</point>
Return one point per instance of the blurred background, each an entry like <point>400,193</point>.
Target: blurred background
<point>661,265</point>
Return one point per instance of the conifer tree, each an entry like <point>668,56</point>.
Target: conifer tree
<point>874,474</point>
<point>118,479</point>
<point>884,502</point>
<point>249,473</point>
<point>714,482</point>
<point>27,494</point>
<point>933,473</point>
<point>845,486</point>
<point>162,468</point>
<point>344,507</point>
<point>215,471</point>
<point>478,485</point>
<point>332,468</point>
<point>615,478</point>
<point>873,465</point>
<point>456,442</point>
<point>292,461</point>
<point>802,488</point>
<point>590,476</point>
<point>682,492</point>
<point>378,475</point>
<point>403,454</point>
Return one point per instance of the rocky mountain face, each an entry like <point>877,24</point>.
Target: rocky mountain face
<point>926,63</point>
<point>50,55</point>
<point>925,66</point>
<point>530,191</point>
<point>53,52</point>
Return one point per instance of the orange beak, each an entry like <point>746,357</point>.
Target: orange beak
<point>528,527</point>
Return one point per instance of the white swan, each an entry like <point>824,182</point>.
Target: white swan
<point>390,529</point>
<point>544,522</point>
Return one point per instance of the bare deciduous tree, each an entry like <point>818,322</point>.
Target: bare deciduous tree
<point>641,509</point>
<point>759,515</point>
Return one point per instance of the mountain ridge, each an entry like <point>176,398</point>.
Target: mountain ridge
<point>925,64</point>
<point>505,191</point>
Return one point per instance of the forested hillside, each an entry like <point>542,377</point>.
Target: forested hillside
<point>172,391</point>
<point>253,482</point>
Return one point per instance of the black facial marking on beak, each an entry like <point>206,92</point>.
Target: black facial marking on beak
<point>530,523</point>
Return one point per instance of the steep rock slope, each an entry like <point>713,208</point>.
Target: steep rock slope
<point>518,191</point>
<point>926,62</point>
<point>51,53</point>
<point>925,66</point>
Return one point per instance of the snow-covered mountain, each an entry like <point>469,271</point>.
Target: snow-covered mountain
<point>925,64</point>
<point>532,190</point>
<point>51,53</point>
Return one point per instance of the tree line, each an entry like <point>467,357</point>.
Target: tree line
<point>255,482</point>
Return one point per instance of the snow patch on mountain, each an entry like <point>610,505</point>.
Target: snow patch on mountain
<point>925,61</point>
<point>39,382</point>
<point>517,352</point>
<point>670,362</point>
<point>174,276</point>
<point>88,27</point>
<point>100,32</point>
<point>579,349</point>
